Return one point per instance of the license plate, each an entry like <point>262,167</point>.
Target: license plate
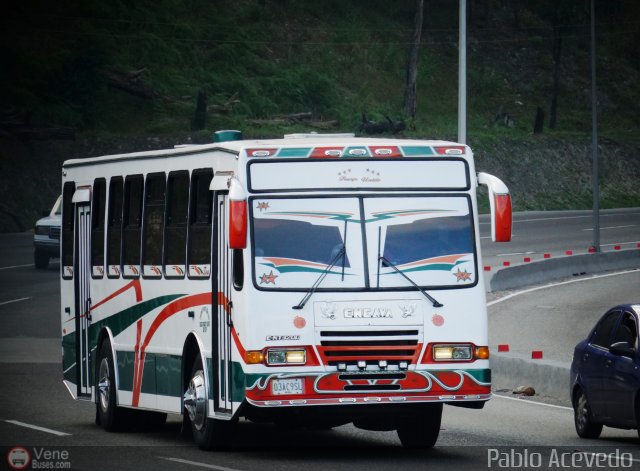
<point>287,386</point>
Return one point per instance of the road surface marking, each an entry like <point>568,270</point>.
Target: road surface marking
<point>611,227</point>
<point>16,266</point>
<point>35,427</point>
<point>72,366</point>
<point>14,301</point>
<point>196,463</point>
<point>515,253</point>
<point>532,402</point>
<point>590,216</point>
<point>621,243</point>
<point>553,285</point>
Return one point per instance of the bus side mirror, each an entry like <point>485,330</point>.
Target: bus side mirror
<point>237,216</point>
<point>500,203</point>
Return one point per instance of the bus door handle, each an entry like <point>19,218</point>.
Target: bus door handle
<point>87,306</point>
<point>229,307</point>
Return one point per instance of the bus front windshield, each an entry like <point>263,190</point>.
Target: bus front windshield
<point>428,238</point>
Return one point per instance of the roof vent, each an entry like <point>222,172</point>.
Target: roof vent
<point>345,135</point>
<point>227,135</point>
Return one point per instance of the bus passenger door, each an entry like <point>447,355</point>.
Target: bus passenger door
<point>222,372</point>
<point>83,295</point>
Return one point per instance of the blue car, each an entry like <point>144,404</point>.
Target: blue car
<point>605,374</point>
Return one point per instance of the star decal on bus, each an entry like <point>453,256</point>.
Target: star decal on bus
<point>462,275</point>
<point>263,206</point>
<point>270,278</point>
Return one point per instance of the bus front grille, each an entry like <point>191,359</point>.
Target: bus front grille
<point>377,348</point>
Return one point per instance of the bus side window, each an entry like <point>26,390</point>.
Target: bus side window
<point>114,227</point>
<point>132,224</point>
<point>97,228</point>
<point>175,231</point>
<point>153,227</point>
<point>200,214</point>
<point>68,218</point>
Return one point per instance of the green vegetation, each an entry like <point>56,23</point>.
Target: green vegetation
<point>118,70</point>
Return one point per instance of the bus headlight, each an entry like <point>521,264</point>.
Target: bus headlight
<point>452,352</point>
<point>282,356</point>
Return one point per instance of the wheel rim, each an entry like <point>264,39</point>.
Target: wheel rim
<point>582,412</point>
<point>195,400</point>
<point>103,384</point>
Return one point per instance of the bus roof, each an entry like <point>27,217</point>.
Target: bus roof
<point>300,142</point>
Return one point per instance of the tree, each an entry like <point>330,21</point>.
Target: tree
<point>410,91</point>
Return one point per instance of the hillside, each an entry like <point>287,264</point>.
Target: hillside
<point>92,77</point>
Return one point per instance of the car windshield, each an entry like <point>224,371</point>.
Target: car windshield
<point>428,238</point>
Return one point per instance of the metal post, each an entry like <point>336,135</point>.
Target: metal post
<point>462,73</point>
<point>594,134</point>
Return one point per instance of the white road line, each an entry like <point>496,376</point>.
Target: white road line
<point>611,227</point>
<point>197,463</point>
<point>552,285</point>
<point>620,243</point>
<point>590,216</point>
<point>14,301</point>
<point>72,366</point>
<point>35,427</point>
<point>515,253</point>
<point>17,266</point>
<point>527,401</point>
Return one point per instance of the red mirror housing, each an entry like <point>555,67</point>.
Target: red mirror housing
<point>237,216</point>
<point>500,203</point>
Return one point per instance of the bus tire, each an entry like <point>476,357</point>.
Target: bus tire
<point>41,260</point>
<point>208,433</point>
<point>422,430</point>
<point>112,417</point>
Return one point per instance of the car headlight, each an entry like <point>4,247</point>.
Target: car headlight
<point>42,230</point>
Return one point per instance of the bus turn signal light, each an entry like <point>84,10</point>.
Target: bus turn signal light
<point>482,353</point>
<point>253,357</point>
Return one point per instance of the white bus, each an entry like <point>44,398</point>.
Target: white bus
<point>315,280</point>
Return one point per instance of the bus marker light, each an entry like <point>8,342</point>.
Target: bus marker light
<point>397,399</point>
<point>347,399</point>
<point>342,367</point>
<point>403,365</point>
<point>382,364</point>
<point>362,364</point>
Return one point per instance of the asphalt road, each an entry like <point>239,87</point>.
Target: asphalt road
<point>555,318</point>
<point>31,393</point>
<point>555,232</point>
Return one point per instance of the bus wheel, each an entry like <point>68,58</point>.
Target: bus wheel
<point>208,433</point>
<point>422,430</point>
<point>112,417</point>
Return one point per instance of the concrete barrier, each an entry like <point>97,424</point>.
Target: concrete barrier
<point>562,267</point>
<point>548,377</point>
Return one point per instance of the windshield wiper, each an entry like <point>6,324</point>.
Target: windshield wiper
<point>341,254</point>
<point>324,273</point>
<point>426,295</point>
<point>388,263</point>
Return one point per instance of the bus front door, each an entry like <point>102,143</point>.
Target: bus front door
<point>222,367</point>
<point>83,298</point>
